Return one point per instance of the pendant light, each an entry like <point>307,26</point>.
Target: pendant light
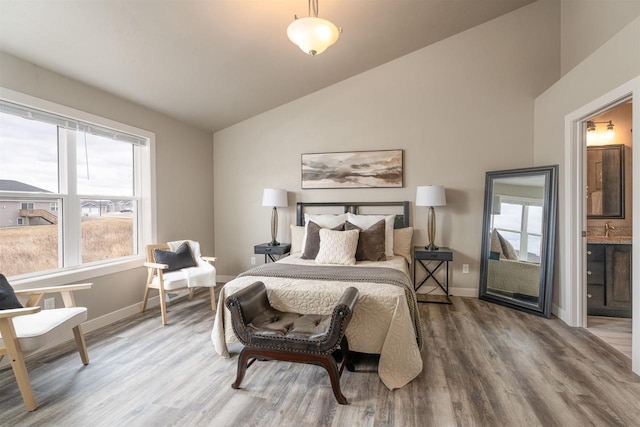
<point>313,35</point>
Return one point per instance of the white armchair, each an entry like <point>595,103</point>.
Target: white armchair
<point>166,279</point>
<point>25,330</point>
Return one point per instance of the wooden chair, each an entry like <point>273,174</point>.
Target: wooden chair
<point>25,330</point>
<point>177,280</point>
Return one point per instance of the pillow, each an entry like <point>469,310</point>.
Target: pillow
<point>507,248</point>
<point>177,260</point>
<point>313,239</point>
<point>495,244</point>
<point>297,236</point>
<point>8,299</point>
<point>337,247</point>
<point>370,242</point>
<point>324,221</point>
<point>502,246</point>
<point>402,243</point>
<point>366,221</point>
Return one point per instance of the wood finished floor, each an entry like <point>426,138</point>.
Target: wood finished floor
<point>484,365</point>
<point>614,331</point>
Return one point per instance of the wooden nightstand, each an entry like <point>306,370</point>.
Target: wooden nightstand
<point>441,256</point>
<point>270,252</point>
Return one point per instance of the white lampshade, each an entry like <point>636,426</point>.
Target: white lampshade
<point>430,195</point>
<point>313,35</point>
<point>275,197</point>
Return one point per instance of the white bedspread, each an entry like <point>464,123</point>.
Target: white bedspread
<point>381,322</point>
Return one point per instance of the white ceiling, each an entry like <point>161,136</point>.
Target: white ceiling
<point>215,63</point>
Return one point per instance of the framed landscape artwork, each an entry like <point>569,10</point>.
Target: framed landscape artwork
<point>353,169</point>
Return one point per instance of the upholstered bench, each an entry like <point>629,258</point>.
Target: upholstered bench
<point>268,333</point>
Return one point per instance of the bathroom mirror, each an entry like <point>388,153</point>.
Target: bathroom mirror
<point>518,238</point>
<point>605,181</point>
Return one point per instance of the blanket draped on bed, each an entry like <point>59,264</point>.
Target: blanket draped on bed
<point>385,320</point>
<point>388,276</point>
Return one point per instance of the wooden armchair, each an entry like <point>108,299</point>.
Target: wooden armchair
<point>160,278</point>
<point>24,330</point>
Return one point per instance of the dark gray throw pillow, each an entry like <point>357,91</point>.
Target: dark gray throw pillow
<point>312,244</point>
<point>8,299</point>
<point>181,258</point>
<point>371,243</point>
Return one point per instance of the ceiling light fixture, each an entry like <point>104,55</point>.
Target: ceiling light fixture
<point>313,35</point>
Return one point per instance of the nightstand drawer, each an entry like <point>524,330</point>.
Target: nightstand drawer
<point>266,249</point>
<point>438,255</point>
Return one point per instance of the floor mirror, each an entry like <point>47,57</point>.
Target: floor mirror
<point>518,238</point>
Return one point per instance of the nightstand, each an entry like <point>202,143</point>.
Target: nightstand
<point>270,252</point>
<point>442,256</point>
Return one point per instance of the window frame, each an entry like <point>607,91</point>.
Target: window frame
<point>144,165</point>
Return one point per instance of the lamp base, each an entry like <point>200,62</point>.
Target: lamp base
<point>431,247</point>
<point>274,243</point>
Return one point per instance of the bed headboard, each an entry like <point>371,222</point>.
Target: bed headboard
<point>402,220</point>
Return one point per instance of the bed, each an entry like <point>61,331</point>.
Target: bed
<point>386,319</point>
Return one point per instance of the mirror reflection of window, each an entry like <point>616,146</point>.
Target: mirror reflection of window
<point>520,222</point>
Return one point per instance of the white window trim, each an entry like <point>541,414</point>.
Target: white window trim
<point>147,228</point>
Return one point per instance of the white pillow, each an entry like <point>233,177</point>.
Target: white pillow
<point>297,237</point>
<point>337,247</point>
<point>324,221</point>
<point>366,221</point>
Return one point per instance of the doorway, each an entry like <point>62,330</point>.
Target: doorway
<point>573,289</point>
<point>609,225</point>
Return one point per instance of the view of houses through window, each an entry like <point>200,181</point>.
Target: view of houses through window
<point>68,196</point>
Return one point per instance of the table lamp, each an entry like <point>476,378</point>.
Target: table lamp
<point>277,198</point>
<point>431,195</point>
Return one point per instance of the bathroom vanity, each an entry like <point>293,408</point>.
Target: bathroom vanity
<point>609,277</point>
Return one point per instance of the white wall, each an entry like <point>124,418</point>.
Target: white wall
<point>588,24</point>
<point>184,171</point>
<point>615,63</point>
<point>458,108</point>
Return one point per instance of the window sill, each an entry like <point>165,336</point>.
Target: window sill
<point>74,275</point>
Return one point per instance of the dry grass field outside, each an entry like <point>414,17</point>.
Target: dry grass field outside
<point>27,249</point>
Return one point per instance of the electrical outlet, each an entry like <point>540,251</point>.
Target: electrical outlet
<point>253,260</point>
<point>465,268</point>
<point>49,303</point>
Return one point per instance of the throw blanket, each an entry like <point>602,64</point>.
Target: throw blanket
<point>388,276</point>
<point>203,275</point>
<point>382,321</point>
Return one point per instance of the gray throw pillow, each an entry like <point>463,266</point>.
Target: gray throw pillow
<point>177,260</point>
<point>371,244</point>
<point>312,245</point>
<point>8,299</point>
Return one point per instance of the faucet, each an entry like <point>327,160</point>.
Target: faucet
<point>607,228</point>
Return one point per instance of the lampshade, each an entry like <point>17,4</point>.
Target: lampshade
<point>430,195</point>
<point>275,197</point>
<point>313,35</point>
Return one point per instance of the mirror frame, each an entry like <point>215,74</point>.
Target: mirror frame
<point>549,220</point>
<point>619,172</point>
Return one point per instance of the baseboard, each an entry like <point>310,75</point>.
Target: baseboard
<point>453,291</point>
<point>224,279</point>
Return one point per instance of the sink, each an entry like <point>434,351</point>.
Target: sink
<point>610,240</point>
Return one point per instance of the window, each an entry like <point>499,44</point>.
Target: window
<point>80,185</point>
<point>520,222</point>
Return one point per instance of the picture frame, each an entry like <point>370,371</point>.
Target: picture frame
<point>353,169</point>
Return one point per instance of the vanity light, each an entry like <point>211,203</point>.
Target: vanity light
<point>593,136</point>
<point>313,35</point>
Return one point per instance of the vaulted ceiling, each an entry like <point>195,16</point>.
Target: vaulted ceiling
<point>215,63</point>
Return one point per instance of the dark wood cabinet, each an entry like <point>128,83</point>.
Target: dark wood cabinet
<point>609,280</point>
